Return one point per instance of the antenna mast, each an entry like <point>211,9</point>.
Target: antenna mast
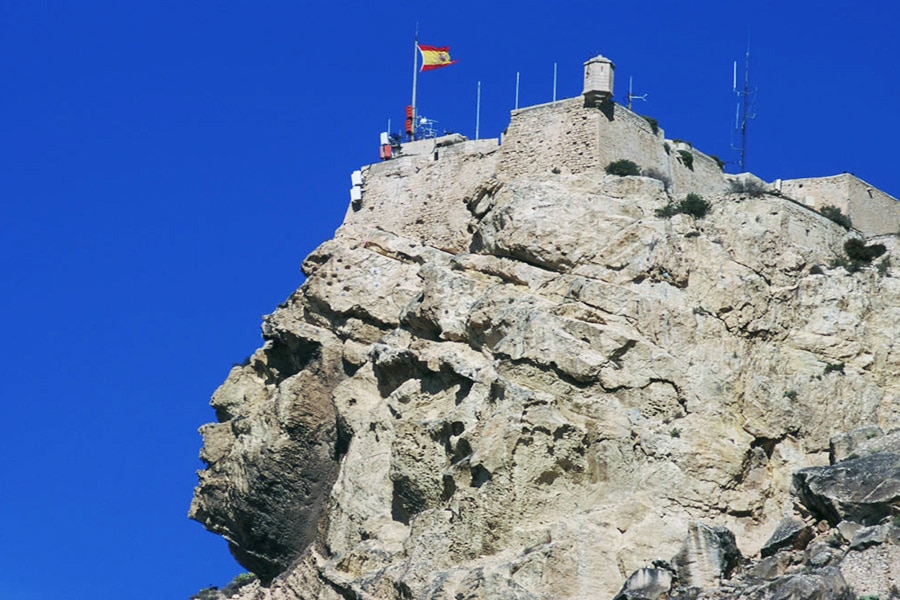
<point>745,109</point>
<point>634,96</point>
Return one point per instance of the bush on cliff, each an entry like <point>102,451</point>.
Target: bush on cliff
<point>858,255</point>
<point>687,159</point>
<point>654,124</point>
<point>693,204</point>
<point>623,167</point>
<point>835,214</point>
<point>856,249</point>
<point>750,187</point>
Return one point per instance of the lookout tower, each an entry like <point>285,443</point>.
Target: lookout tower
<point>598,80</point>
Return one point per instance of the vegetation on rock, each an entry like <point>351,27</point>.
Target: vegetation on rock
<point>623,168</point>
<point>692,204</point>
<point>687,159</point>
<point>654,124</point>
<point>749,187</point>
<point>834,213</point>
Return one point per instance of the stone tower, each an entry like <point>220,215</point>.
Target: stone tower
<point>598,80</point>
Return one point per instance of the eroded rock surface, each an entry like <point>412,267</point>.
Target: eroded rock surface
<point>547,398</point>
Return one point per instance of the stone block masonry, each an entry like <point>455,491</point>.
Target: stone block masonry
<point>423,195</point>
<point>872,211</point>
<point>567,136</point>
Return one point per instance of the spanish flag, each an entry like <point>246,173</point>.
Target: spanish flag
<point>434,57</point>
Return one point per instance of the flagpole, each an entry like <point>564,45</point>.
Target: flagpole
<point>517,90</point>
<point>477,110</point>
<point>554,82</point>
<point>415,75</point>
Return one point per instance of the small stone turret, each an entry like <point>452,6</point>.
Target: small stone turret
<point>598,80</point>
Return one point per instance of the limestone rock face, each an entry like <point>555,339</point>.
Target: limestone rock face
<point>545,395</point>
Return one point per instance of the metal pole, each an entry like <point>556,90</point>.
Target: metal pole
<point>746,96</point>
<point>478,111</point>
<point>517,90</point>
<point>554,82</point>
<point>415,75</point>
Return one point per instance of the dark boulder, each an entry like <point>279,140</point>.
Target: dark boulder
<point>791,533</point>
<point>862,490</point>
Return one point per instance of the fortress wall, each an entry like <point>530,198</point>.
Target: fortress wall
<point>872,211</point>
<point>560,135</point>
<point>706,178</point>
<point>423,197</point>
<point>566,135</point>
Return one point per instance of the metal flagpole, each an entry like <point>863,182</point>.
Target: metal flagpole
<point>554,82</point>
<point>517,90</point>
<point>478,110</point>
<point>415,75</point>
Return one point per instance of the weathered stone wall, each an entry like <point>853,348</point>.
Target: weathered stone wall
<point>560,135</point>
<point>872,211</point>
<point>566,136</point>
<point>401,195</point>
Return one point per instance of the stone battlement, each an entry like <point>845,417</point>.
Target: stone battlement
<point>576,135</point>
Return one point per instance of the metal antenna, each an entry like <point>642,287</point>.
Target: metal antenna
<point>634,96</point>
<point>746,107</point>
<point>554,82</point>
<point>478,111</point>
<point>517,90</point>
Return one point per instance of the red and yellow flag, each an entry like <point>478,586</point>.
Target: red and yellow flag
<point>434,57</point>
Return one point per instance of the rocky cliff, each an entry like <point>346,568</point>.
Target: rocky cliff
<point>506,384</point>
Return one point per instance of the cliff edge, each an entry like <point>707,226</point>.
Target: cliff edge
<point>512,375</point>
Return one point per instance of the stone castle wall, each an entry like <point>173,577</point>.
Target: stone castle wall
<point>423,195</point>
<point>872,211</point>
<point>567,136</point>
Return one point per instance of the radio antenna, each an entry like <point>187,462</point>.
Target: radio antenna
<point>634,96</point>
<point>746,106</point>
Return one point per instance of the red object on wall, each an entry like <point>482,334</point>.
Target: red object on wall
<point>409,120</point>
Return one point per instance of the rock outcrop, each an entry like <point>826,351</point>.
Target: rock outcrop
<point>555,388</point>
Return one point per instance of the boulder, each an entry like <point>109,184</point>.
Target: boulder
<point>864,490</point>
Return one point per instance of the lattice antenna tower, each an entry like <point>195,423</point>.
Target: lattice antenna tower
<point>745,109</point>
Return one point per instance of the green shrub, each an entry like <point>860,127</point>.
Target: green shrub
<point>687,159</point>
<point>884,266</point>
<point>856,249</point>
<point>834,213</point>
<point>790,395</point>
<point>858,255</point>
<point>667,147</point>
<point>719,162</point>
<point>851,266</point>
<point>623,167</point>
<point>654,124</point>
<point>693,204</point>
<point>750,187</point>
<point>675,432</point>
<point>834,368</point>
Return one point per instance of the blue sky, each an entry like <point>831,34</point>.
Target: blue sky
<point>166,166</point>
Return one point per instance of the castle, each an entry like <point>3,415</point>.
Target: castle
<point>581,134</point>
